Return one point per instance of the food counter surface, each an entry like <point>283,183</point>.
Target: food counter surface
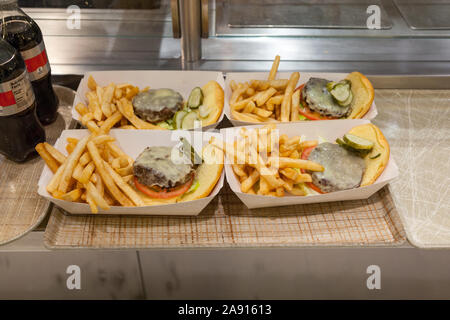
<point>415,123</point>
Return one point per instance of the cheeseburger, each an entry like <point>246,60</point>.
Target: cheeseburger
<point>159,178</point>
<point>357,159</point>
<point>322,99</point>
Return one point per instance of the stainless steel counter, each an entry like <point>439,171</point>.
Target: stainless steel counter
<point>30,271</point>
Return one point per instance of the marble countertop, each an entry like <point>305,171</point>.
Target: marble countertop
<point>417,125</point>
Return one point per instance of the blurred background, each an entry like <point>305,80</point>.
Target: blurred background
<point>413,36</point>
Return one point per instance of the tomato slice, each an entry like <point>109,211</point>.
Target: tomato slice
<point>305,154</point>
<point>312,115</point>
<point>313,186</point>
<point>308,114</point>
<point>300,87</point>
<point>164,193</point>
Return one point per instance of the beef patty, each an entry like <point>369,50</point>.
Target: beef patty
<point>157,105</point>
<point>319,99</point>
<point>154,167</point>
<point>343,169</point>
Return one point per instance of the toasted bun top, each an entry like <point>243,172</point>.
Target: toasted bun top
<point>207,173</point>
<point>213,97</point>
<point>374,167</point>
<point>363,95</point>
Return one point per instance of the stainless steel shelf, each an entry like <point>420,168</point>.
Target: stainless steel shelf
<point>76,55</point>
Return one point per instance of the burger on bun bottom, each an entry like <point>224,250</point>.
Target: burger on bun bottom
<point>357,159</point>
<point>165,108</point>
<point>350,98</point>
<point>201,180</point>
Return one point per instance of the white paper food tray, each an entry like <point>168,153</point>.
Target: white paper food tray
<point>240,77</point>
<point>181,81</point>
<point>132,142</point>
<point>311,130</point>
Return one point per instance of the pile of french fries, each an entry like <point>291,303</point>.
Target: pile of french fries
<point>95,171</point>
<point>111,106</point>
<point>266,163</point>
<point>270,100</point>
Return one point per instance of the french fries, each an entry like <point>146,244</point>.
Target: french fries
<point>73,195</point>
<point>126,109</point>
<point>109,107</point>
<point>55,153</point>
<point>286,104</point>
<point>95,195</point>
<point>123,185</point>
<point>51,162</point>
<point>267,163</point>
<point>85,175</point>
<point>107,179</point>
<point>71,162</point>
<point>271,100</point>
<point>273,71</point>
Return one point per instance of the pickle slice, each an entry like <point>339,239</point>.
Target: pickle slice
<point>359,152</point>
<point>341,92</point>
<point>330,85</point>
<point>348,101</point>
<point>188,120</point>
<point>340,142</point>
<point>165,125</point>
<point>178,118</point>
<point>357,143</point>
<point>190,152</point>
<point>195,98</point>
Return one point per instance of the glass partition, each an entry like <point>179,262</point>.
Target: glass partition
<point>134,18</point>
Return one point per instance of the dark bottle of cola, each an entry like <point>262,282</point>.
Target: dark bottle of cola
<point>20,129</point>
<point>24,34</point>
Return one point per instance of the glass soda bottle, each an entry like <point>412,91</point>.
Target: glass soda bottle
<point>24,34</point>
<point>20,129</point>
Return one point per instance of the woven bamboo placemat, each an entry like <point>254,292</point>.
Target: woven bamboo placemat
<point>22,208</point>
<point>226,222</point>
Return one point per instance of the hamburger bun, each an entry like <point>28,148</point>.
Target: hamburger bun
<point>207,173</point>
<point>213,97</point>
<point>374,167</point>
<point>363,94</point>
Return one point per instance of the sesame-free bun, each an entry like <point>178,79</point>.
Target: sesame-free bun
<point>213,97</point>
<point>374,167</point>
<point>363,95</point>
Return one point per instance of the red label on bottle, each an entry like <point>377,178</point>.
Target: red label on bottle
<point>16,95</point>
<point>7,99</point>
<point>36,61</point>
